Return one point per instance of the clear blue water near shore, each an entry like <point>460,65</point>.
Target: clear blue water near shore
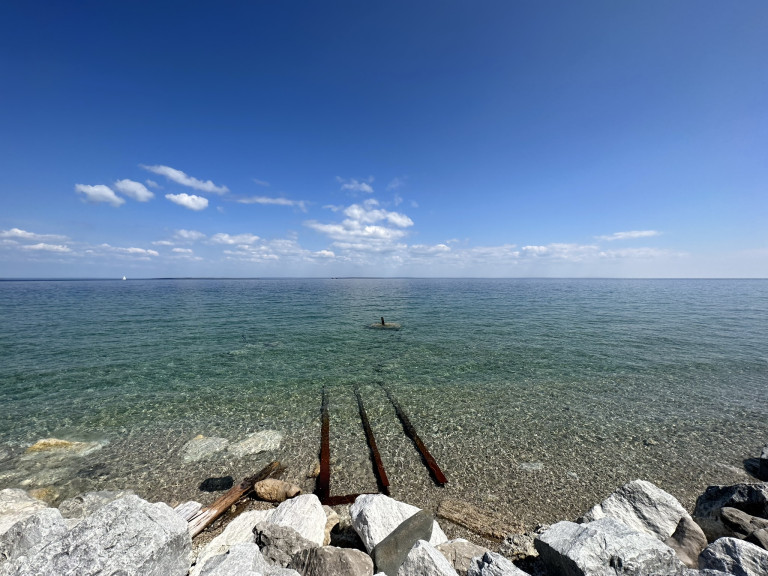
<point>537,397</point>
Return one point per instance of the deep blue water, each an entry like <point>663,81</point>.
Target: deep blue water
<point>595,379</point>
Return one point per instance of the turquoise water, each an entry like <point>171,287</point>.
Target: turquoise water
<point>537,397</point>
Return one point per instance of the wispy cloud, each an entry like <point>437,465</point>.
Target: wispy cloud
<point>396,183</point>
<point>152,184</point>
<point>141,253</point>
<point>181,178</point>
<point>183,250</point>
<point>300,204</point>
<point>47,247</point>
<point>135,190</point>
<point>24,235</point>
<point>263,183</point>
<point>629,235</point>
<point>222,238</point>
<point>190,201</point>
<point>355,185</point>
<point>99,194</point>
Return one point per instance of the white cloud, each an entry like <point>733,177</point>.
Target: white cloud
<point>365,228</point>
<point>190,201</point>
<point>152,184</point>
<point>301,204</point>
<point>99,193</point>
<point>183,250</point>
<point>181,178</point>
<point>356,185</point>
<point>325,254</point>
<point>141,252</point>
<point>188,235</point>
<point>629,235</point>
<point>24,235</point>
<point>47,247</point>
<point>162,243</point>
<point>135,190</point>
<point>262,182</point>
<point>222,238</point>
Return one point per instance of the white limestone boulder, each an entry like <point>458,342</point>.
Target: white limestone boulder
<point>15,505</point>
<point>735,557</point>
<point>375,516</point>
<point>426,560</point>
<point>30,533</point>
<point>304,514</point>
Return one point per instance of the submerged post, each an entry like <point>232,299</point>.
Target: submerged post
<point>323,486</point>
<point>382,321</point>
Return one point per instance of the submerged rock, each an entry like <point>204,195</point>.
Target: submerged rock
<point>217,484</point>
<point>57,445</point>
<point>735,557</point>
<point>129,536</point>
<point>605,547</point>
<point>263,441</point>
<point>375,516</point>
<point>274,490</point>
<point>202,448</point>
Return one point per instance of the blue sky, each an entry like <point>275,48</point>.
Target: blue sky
<point>513,138</point>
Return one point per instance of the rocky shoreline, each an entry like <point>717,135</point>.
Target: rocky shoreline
<point>639,529</point>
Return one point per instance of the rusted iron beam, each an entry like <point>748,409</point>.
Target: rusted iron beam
<point>381,474</point>
<point>429,461</point>
<point>323,483</point>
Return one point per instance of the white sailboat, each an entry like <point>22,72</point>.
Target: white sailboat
<point>124,278</point>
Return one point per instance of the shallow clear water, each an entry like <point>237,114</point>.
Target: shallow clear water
<point>536,397</point>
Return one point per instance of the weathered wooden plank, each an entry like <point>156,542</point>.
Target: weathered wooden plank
<point>188,510</point>
<point>471,517</point>
<point>210,513</point>
<point>429,461</point>
<point>381,474</point>
<point>323,482</point>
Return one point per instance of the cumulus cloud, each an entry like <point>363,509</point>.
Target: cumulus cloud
<point>183,250</point>
<point>365,228</point>
<point>325,254</point>
<point>24,235</point>
<point>47,247</point>
<point>300,204</point>
<point>222,238</point>
<point>355,185</point>
<point>99,193</point>
<point>180,177</point>
<point>190,201</point>
<point>135,190</point>
<point>629,235</point>
<point>188,235</point>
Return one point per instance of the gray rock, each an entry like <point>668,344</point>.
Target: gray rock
<point>263,441</point>
<point>243,559</point>
<point>749,498</point>
<point>740,523</point>
<point>279,544</point>
<point>36,530</point>
<point>374,516</point>
<point>86,504</point>
<point>15,505</point>
<point>735,557</point>
<point>605,547</point>
<point>331,520</point>
<point>129,537</point>
<point>389,554</point>
<point>492,564</point>
<point>328,560</point>
<point>520,546</point>
<point>202,448</point>
<point>759,538</point>
<point>304,514</point>
<point>643,507</point>
<point>238,531</point>
<point>425,560</point>
<point>762,471</point>
<point>460,553</point>
<point>692,572</point>
<point>687,541</point>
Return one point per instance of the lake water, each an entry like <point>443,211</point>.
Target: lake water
<point>536,397</point>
